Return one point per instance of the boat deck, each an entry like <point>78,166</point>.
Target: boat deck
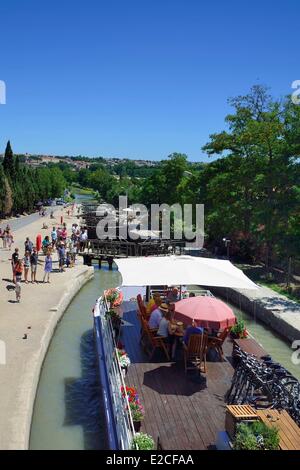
<point>182,412</point>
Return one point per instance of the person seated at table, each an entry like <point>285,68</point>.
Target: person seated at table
<point>156,316</point>
<point>192,330</point>
<point>172,295</point>
<point>167,330</point>
<point>153,303</point>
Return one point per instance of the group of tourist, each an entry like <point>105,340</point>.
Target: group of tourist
<point>25,266</point>
<point>160,319</point>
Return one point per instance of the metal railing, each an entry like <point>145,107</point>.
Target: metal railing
<point>120,429</point>
<point>197,292</point>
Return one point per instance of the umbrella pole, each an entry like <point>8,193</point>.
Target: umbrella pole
<point>147,293</point>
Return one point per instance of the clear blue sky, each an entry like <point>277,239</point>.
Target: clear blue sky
<point>137,78</point>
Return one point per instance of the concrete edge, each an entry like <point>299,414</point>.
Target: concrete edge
<point>22,418</point>
<point>258,308</point>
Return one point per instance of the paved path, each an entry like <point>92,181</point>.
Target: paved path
<point>41,307</point>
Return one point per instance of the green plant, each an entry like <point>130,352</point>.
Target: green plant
<point>142,441</point>
<point>256,436</point>
<point>112,295</point>
<point>113,314</point>
<point>137,411</point>
<point>239,329</point>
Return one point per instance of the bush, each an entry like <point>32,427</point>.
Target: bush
<point>142,441</point>
<point>256,436</point>
<point>239,330</point>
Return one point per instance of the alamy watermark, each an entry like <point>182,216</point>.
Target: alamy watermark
<point>296,94</point>
<point>135,222</point>
<point>2,92</point>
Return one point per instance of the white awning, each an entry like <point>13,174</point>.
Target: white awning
<point>182,270</point>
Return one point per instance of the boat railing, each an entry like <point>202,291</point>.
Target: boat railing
<point>120,429</point>
<point>197,292</point>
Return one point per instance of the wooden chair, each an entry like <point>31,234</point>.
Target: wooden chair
<point>141,306</point>
<point>217,342</point>
<point>154,341</point>
<point>195,352</point>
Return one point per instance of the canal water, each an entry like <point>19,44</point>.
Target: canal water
<point>68,412</point>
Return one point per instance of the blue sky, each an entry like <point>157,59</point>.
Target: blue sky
<point>139,79</point>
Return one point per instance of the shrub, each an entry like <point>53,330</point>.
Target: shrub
<point>256,436</point>
<point>142,441</point>
<point>239,330</point>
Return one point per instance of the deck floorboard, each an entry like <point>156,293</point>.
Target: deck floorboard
<point>183,413</point>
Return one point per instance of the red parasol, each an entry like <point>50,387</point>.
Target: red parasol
<point>207,312</point>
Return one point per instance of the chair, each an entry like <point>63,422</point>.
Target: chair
<point>155,342</point>
<point>195,352</point>
<point>217,342</point>
<point>142,306</point>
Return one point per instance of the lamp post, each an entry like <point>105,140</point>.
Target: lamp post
<point>227,245</point>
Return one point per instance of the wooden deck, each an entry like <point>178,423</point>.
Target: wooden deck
<point>184,414</point>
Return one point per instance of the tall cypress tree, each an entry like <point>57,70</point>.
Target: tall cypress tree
<point>8,162</point>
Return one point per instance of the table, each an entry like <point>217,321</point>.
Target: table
<point>250,346</point>
<point>289,432</point>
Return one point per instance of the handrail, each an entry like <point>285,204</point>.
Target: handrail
<point>120,429</point>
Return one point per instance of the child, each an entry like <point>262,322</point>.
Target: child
<point>18,292</point>
<point>48,267</point>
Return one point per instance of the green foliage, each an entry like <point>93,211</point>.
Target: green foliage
<point>256,436</point>
<point>239,329</point>
<point>9,161</point>
<point>142,441</point>
<point>21,187</point>
<point>254,188</point>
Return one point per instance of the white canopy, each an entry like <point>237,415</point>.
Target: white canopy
<point>182,270</point>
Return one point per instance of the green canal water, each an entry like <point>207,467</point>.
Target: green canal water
<point>68,412</point>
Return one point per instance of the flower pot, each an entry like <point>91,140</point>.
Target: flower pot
<point>137,425</point>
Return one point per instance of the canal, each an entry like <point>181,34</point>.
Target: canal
<point>68,408</point>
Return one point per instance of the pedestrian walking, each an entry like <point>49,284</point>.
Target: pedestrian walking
<point>18,271</point>
<point>48,267</point>
<point>28,245</point>
<point>61,256</point>
<point>9,240</point>
<point>33,263</point>
<point>14,260</point>
<point>26,264</point>
<point>53,237</point>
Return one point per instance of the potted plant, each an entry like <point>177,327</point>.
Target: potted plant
<point>115,320</point>
<point>114,297</point>
<point>238,331</point>
<point>256,436</point>
<point>137,413</point>
<point>123,360</point>
<point>142,441</point>
<point>137,410</point>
